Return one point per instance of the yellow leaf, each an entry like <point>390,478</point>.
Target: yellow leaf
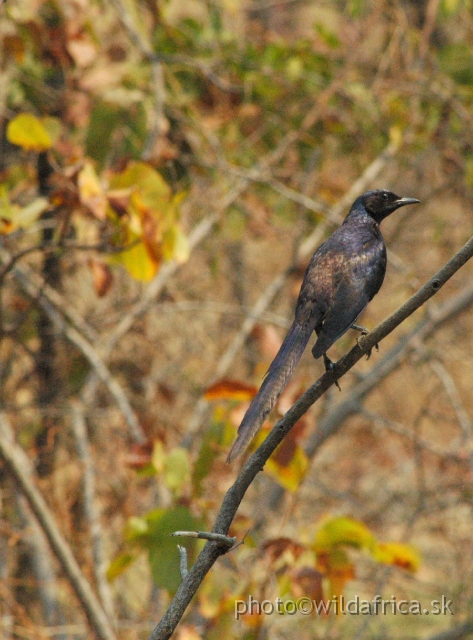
<point>26,216</point>
<point>153,189</point>
<point>181,246</point>
<point>28,132</point>
<point>136,529</point>
<point>53,126</point>
<point>289,475</point>
<point>91,191</point>
<point>395,136</point>
<point>13,217</point>
<point>137,261</point>
<point>343,531</point>
<point>397,554</point>
<point>158,456</point>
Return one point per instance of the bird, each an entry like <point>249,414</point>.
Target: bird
<point>342,277</point>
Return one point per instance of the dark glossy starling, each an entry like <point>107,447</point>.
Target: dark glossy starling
<point>344,274</point>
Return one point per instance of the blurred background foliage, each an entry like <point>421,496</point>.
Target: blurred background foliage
<point>165,167</point>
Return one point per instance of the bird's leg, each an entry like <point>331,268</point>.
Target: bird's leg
<point>364,332</point>
<point>330,366</point>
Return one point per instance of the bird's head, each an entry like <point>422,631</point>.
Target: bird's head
<point>379,203</point>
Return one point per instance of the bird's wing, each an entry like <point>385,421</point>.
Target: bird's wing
<point>350,300</point>
<point>360,282</point>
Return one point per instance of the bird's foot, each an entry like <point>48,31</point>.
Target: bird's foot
<point>364,332</point>
<point>330,366</point>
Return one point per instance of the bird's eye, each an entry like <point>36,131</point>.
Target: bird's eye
<point>385,196</point>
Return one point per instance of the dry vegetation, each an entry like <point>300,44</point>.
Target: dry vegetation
<point>264,121</point>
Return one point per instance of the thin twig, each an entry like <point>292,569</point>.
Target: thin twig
<point>36,287</point>
<point>182,561</point>
<point>51,302</point>
<point>226,541</point>
<point>88,483</point>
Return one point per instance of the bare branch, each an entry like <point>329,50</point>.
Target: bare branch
<point>256,463</point>
<point>331,423</point>
<point>305,250</point>
<point>19,465</point>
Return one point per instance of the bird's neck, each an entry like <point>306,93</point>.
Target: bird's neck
<point>361,216</point>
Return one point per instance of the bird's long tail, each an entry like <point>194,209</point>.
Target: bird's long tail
<point>276,379</point>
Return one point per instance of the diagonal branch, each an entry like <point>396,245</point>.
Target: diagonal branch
<point>18,464</point>
<point>305,250</point>
<point>255,464</point>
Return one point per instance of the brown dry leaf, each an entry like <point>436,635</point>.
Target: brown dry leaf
<point>119,200</point>
<point>307,582</point>
<point>102,276</point>
<point>82,51</point>
<point>14,46</point>
<point>277,547</point>
<point>140,455</point>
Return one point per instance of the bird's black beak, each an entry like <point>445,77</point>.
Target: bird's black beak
<point>403,201</point>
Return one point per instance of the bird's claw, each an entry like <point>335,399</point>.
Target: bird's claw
<point>365,332</point>
<point>330,366</point>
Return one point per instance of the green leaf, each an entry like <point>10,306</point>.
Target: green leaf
<point>176,468</point>
<point>162,549</point>
<point>119,564</point>
<point>104,119</point>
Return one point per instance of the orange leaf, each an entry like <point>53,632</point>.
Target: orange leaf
<point>227,389</point>
<point>102,277</point>
<point>338,568</point>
